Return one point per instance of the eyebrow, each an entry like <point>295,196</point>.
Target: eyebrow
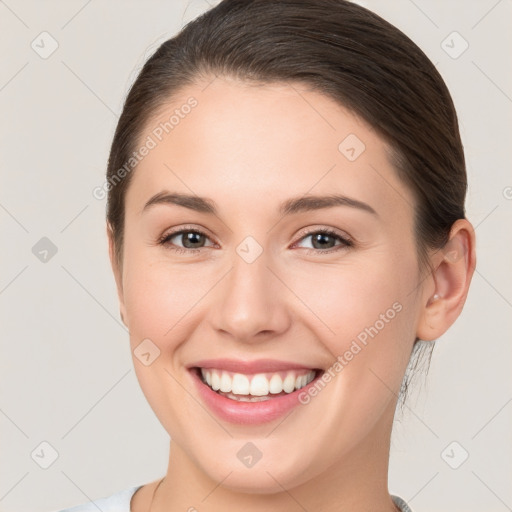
<point>288,207</point>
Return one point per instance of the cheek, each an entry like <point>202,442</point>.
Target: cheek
<point>365,316</point>
<point>347,299</point>
<point>159,301</point>
<point>158,295</point>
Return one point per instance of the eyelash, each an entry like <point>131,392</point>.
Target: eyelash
<point>345,242</point>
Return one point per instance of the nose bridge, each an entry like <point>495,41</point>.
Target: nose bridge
<point>250,301</point>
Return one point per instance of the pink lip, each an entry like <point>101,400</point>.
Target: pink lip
<point>250,367</point>
<point>248,413</point>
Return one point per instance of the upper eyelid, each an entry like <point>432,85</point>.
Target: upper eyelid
<point>330,230</point>
<point>186,229</point>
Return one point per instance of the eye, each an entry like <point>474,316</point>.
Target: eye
<point>324,241</point>
<point>192,240</point>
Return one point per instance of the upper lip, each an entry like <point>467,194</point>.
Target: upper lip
<point>249,367</point>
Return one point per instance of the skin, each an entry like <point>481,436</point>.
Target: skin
<point>249,148</point>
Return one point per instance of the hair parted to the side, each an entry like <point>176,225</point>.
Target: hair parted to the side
<point>340,49</point>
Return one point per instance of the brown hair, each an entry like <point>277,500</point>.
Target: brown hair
<point>339,49</point>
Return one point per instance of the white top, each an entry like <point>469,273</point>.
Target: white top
<point>120,502</point>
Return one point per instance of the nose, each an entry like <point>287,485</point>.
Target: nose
<point>251,305</point>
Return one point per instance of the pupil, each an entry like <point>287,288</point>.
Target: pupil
<point>191,237</point>
<point>320,237</point>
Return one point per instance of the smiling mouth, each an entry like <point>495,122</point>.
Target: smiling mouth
<point>257,387</point>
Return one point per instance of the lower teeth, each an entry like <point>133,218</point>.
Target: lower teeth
<point>244,398</point>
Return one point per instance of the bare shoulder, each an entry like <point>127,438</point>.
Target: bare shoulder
<point>142,498</point>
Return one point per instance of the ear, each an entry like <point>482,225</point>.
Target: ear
<point>454,265</point>
<point>117,271</point>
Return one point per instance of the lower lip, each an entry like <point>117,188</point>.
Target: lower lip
<point>248,413</point>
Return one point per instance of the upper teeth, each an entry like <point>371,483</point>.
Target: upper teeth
<point>260,384</point>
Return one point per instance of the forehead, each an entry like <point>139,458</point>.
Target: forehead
<point>252,143</point>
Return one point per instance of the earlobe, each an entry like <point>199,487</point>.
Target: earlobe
<point>454,265</point>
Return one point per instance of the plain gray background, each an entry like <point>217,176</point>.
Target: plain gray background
<point>67,376</point>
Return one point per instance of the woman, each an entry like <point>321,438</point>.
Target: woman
<point>286,223</point>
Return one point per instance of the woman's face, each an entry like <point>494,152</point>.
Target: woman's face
<point>259,291</point>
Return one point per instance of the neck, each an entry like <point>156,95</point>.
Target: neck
<point>356,482</point>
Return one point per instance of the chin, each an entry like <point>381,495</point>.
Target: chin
<point>265,477</point>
